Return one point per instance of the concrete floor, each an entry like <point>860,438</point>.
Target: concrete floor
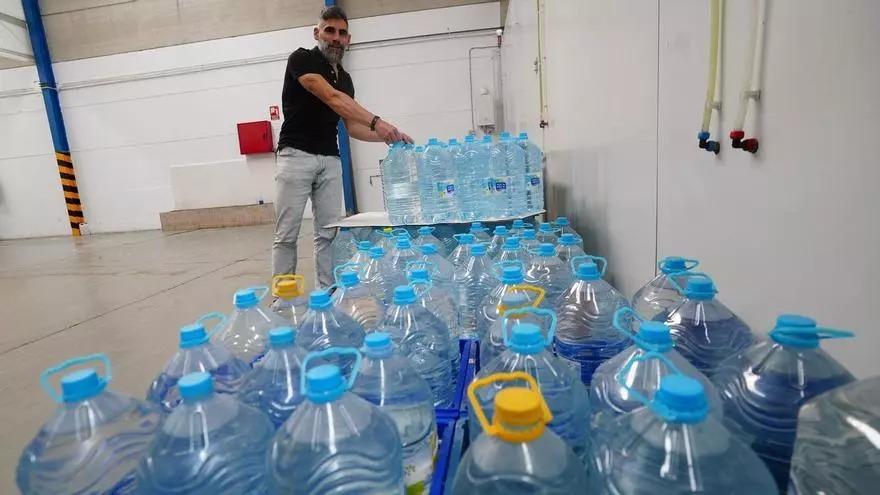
<point>125,295</point>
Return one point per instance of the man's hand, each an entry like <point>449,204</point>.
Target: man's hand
<point>391,134</point>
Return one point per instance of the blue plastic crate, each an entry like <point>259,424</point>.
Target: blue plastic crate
<point>473,366</point>
<point>445,434</point>
<point>465,349</point>
<point>459,444</point>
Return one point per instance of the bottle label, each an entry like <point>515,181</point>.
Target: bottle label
<point>533,181</point>
<point>419,468</point>
<point>446,189</point>
<point>501,185</point>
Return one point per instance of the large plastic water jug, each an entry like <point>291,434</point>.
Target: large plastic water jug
<point>442,271</point>
<point>563,226</point>
<point>763,387</point>
<point>388,380</point>
<point>197,353</point>
<point>656,298</point>
<point>355,299</point>
<point>529,239</point>
<point>507,166</point>
<point>474,279</point>
<point>439,188</point>
<point>518,454</point>
<point>512,251</point>
<point>247,330</point>
<point>343,246</point>
<point>372,274</point>
<point>476,177</point>
<point>210,444</point>
<point>362,255</point>
<point>547,233</point>
<point>619,382</point>
<point>436,298</point>
<point>400,189</point>
<point>705,331</point>
<point>273,385</point>
<point>426,236</point>
<point>568,401</point>
<point>325,326</point>
<point>674,446</point>
<point>335,442</point>
<point>534,179</point>
<point>290,301</point>
<point>518,226</point>
<point>586,337</point>
<point>497,241</point>
<point>837,450</point>
<point>515,307</point>
<point>459,256</point>
<point>547,271</point>
<point>93,441</point>
<point>468,185</point>
<point>569,247</point>
<point>425,340</point>
<point>510,276</point>
<point>481,234</point>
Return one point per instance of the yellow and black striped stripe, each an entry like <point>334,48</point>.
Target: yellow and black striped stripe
<point>71,192</point>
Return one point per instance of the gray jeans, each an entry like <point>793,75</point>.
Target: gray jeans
<point>299,176</point>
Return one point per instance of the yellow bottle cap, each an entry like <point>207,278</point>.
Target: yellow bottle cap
<point>288,286</point>
<point>521,414</point>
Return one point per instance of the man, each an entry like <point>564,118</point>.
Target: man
<point>317,93</point>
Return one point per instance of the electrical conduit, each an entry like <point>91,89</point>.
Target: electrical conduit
<point>716,8</point>
<point>751,82</point>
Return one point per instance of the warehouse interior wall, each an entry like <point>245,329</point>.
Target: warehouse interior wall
<point>790,229</point>
<point>155,130</point>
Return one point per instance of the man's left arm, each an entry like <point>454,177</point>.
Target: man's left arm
<point>361,132</point>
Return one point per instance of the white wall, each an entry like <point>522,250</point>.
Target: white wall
<point>141,123</point>
<point>791,229</point>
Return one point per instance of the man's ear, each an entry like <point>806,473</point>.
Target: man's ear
<point>315,33</point>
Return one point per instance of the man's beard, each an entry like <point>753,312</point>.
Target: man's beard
<point>333,53</point>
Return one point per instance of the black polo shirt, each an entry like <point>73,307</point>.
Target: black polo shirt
<point>309,124</point>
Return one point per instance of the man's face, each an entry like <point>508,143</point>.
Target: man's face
<point>333,39</point>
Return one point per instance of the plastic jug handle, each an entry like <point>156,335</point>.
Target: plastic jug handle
<point>820,333</point>
<point>58,368</point>
<point>551,332</point>
<point>299,279</point>
<point>211,316</point>
<point>331,351</point>
<point>688,274</point>
<point>689,264</point>
<point>260,288</point>
<point>590,257</point>
<point>457,237</point>
<point>625,329</point>
<point>526,288</point>
<point>492,428</point>
<point>621,375</point>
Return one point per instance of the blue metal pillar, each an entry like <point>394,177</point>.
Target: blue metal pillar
<point>345,158</point>
<point>43,59</point>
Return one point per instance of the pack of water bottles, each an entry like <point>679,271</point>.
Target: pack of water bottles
<point>507,364</point>
<point>453,181</point>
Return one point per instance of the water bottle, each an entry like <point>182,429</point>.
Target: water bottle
<point>656,298</point>
<point>440,184</point>
<point>534,170</point>
<point>402,254</point>
<point>372,274</point>
<point>704,330</point>
<point>400,185</point>
<point>510,276</point>
<point>94,439</point>
<point>586,337</point>
<point>290,302</point>
<point>356,300</point>
<point>674,446</point>
<point>470,190</point>
<point>197,353</point>
<point>386,241</point>
<point>563,226</point>
<point>442,270</point>
<point>477,176</point>
<point>497,241</point>
<point>518,226</point>
<point>425,340</point>
<point>568,401</point>
<point>547,233</point>
<point>211,443</point>
<point>569,247</point>
<point>456,158</point>
<point>389,381</point>
<point>507,165</point>
<point>518,455</point>
<point>325,326</point>
<point>836,449</point>
<point>247,329</point>
<point>426,236</point>
<point>343,246</point>
<point>362,255</point>
<point>480,233</point>
<point>335,442</point>
<point>461,253</point>
<point>547,271</point>
<point>763,387</point>
<point>437,298</point>
<point>513,252</point>
<point>273,385</point>
<point>529,240</point>
<point>611,399</point>
<point>492,344</point>
<point>473,281</point>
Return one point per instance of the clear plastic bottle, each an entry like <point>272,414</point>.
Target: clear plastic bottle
<point>674,446</point>
<point>197,353</point>
<point>335,442</point>
<point>398,258</point>
<point>325,326</point>
<point>290,301</point>
<point>548,272</point>
<point>400,185</point>
<point>569,247</point>
<point>479,176</point>
<point>439,299</point>
<point>563,226</point>
<point>836,449</point>
<point>211,443</point>
<point>473,280</point>
<point>461,253</point>
<point>469,190</point>
<point>389,381</point>
<point>529,240</point>
<point>273,385</point>
<point>372,274</point>
<point>247,329</point>
<point>343,246</point>
<point>457,158</point>
<point>510,276</point>
<point>518,226</point>
<point>513,252</point>
<point>518,455</point>
<point>534,170</point>
<point>704,330</point>
<point>515,307</point>
<point>547,233</point>
<point>362,255</point>
<point>426,236</point>
<point>763,387</point>
<point>355,299</point>
<point>480,233</point>
<point>93,441</point>
<point>656,298</point>
<point>586,337</point>
<point>498,237</point>
<point>568,401</point>
<point>425,340</point>
<point>507,165</point>
<point>440,184</point>
<point>442,269</point>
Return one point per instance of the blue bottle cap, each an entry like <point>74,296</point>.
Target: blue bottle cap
<point>529,234</point>
<point>478,249</point>
<point>404,294</point>
<point>195,386</point>
<point>487,138</point>
<point>349,278</point>
<point>425,230</point>
<point>429,248</point>
<point>365,246</point>
<point>319,299</point>
<point>562,221</point>
<point>511,243</point>
<point>798,321</point>
<point>655,333</point>
<point>526,338</point>
<point>545,227</point>
<point>511,275</point>
<point>81,384</point>
<point>546,249</point>
<point>281,336</point>
<point>802,332</point>
<point>567,239</point>
<point>700,287</point>
<point>672,264</point>
<point>398,144</point>
<point>325,384</point>
<point>588,271</point>
<point>419,149</point>
<point>681,399</point>
<point>524,135</point>
<point>378,345</point>
<point>469,138</point>
<point>453,141</point>
<point>245,298</point>
<point>505,135</point>
<point>192,335</point>
<point>466,238</point>
<point>403,243</point>
<point>376,252</point>
<point>518,224</point>
<point>433,141</point>
<point>476,225</point>
<point>501,230</point>
<point>420,274</point>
